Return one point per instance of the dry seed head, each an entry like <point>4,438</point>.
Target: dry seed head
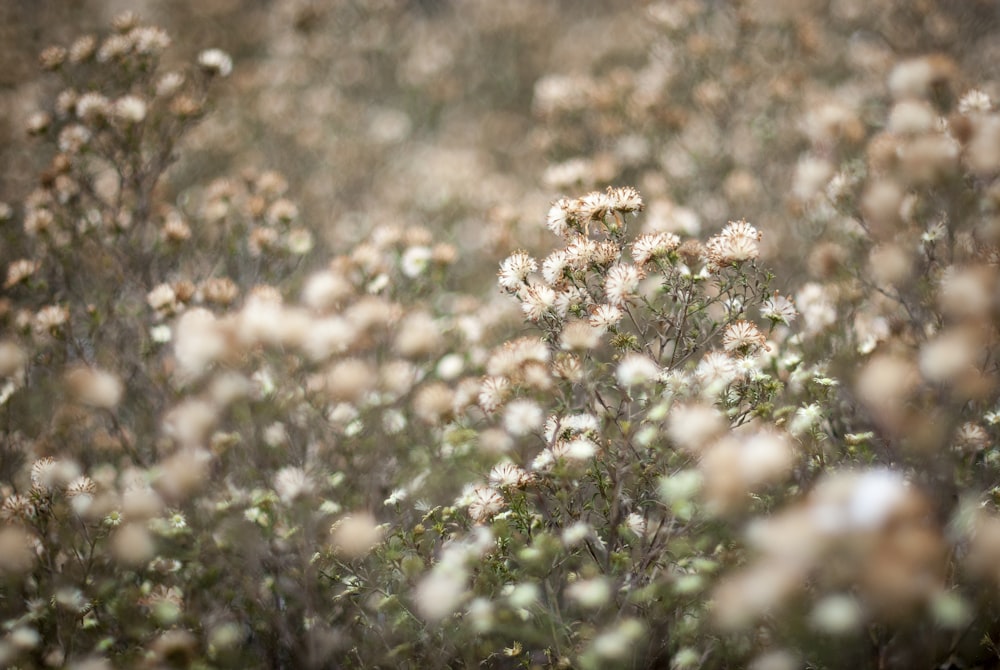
<point>691,427</point>
<point>132,544</point>
<point>292,483</point>
<point>221,291</point>
<point>82,49</point>
<point>215,62</point>
<point>355,535</point>
<point>17,550</point>
<point>742,336</point>
<point>920,77</point>
<point>20,270</point>
<point>434,403</point>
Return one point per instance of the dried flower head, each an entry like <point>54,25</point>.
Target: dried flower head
<point>739,241</point>
<point>742,336</point>
<point>515,269</point>
<point>215,62</point>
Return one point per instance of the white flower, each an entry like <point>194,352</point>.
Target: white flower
<point>492,393</point>
<point>621,283</point>
<point>415,260</point>
<point>742,335</point>
<point>605,316</point>
<point>130,109</point>
<point>486,503</point>
<point>575,534</point>
<point>715,371</point>
<point>778,309</point>
<point>515,269</point>
<point>559,217</point>
<point>738,242</point>
<point>805,419</point>
<point>975,100</point>
<point>577,449</point>
<point>291,483</point>
<point>536,301</point>
<point>637,369</point>
<point>554,267</point>
<point>522,417</point>
<point>625,199</point>
<point>650,246</point>
<point>507,474</point>
<point>590,593</point>
<point>216,61</point>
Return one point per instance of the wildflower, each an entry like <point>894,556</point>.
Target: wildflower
<point>975,101</point>
<point>536,301</point>
<point>619,642</point>
<point>215,62</point>
<point>162,299</point>
<point>130,109</point>
<point>17,507</point>
<point>605,253</point>
<point>580,252</point>
<point>738,242</point>
<point>651,246</point>
<point>169,84</point>
<point>434,403</point>
<point>742,336</point>
<point>175,229</point>
<point>578,449</point>
<point>625,199</point>
<point>419,335</point>
<point>38,123</point>
<point>605,316</point>
<point>555,267</point>
<point>576,533</point>
<point>81,486</point>
<point>493,392</point>
<point>415,260</point>
<point>805,419</point>
<point>47,473</point>
<point>132,544</point>
<point>219,290</point>
<point>82,49</point>
<point>20,270</point>
<point>715,370</point>
<point>92,107</point>
<point>621,284</point>
<point>636,369</point>
<point>778,309</point>
<point>299,241</point>
<point>522,417</point>
<point>149,40</point>
<point>515,269</point>
<point>579,336</point>
<point>816,306</point>
<point>355,535</point>
<point>199,341</point>
<point>51,319</point>
<point>52,57</point>
<point>691,426</point>
<point>292,483</point>
<point>325,290</point>
<point>506,474</point>
<point>590,593</point>
<point>971,437</point>
<point>594,206</point>
<point>440,593</point>
<point>559,217</point>
<point>486,502</point>
<point>38,221</point>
